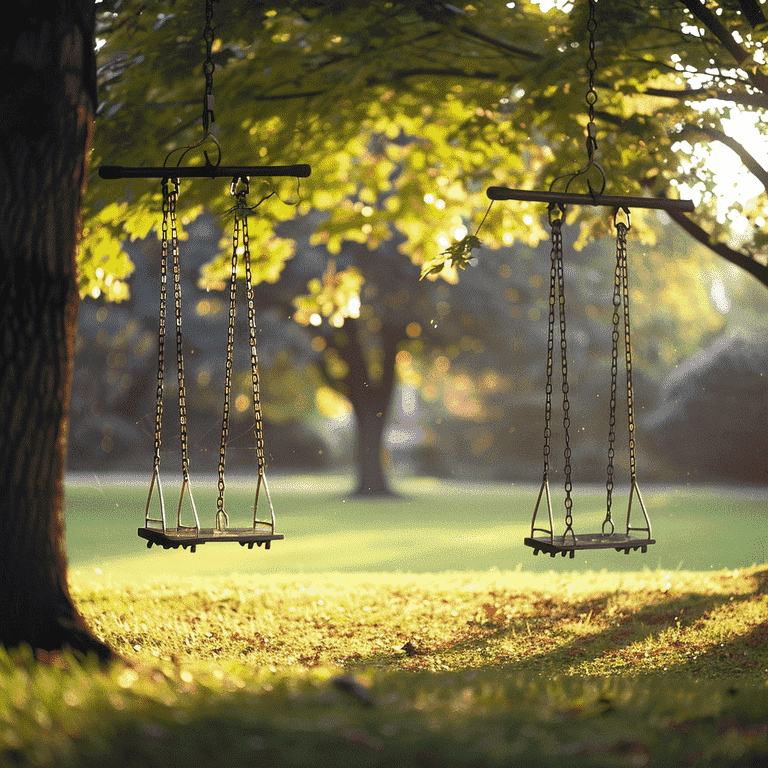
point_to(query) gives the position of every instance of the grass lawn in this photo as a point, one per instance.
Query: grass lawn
(418, 632)
(435, 526)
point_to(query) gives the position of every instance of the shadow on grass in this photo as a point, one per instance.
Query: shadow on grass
(633, 642)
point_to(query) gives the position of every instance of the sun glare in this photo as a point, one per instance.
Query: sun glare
(734, 184)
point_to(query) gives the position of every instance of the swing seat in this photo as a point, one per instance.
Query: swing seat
(173, 538)
(563, 545)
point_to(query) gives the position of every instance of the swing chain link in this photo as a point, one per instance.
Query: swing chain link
(557, 296)
(172, 199)
(617, 301)
(621, 297)
(161, 323)
(208, 68)
(591, 95)
(555, 225)
(240, 235)
(258, 426)
(621, 240)
(566, 403)
(221, 516)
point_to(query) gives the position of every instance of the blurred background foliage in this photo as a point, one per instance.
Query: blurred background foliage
(407, 112)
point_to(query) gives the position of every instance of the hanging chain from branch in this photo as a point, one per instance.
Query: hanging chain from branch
(222, 519)
(622, 230)
(167, 197)
(176, 271)
(591, 96)
(258, 421)
(208, 67)
(557, 256)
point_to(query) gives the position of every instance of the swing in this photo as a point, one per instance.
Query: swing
(158, 530)
(635, 536)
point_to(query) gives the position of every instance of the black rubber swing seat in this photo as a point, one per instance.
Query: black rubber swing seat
(568, 545)
(173, 538)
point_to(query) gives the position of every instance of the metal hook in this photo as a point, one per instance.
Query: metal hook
(571, 177)
(555, 212)
(626, 213)
(185, 150)
(234, 191)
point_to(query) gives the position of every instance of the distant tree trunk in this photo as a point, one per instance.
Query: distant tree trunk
(46, 118)
(370, 398)
(371, 417)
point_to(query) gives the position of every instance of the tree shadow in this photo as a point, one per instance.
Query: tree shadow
(739, 653)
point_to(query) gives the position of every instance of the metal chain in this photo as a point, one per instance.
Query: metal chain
(208, 67)
(614, 372)
(172, 199)
(258, 426)
(221, 516)
(622, 230)
(555, 224)
(557, 296)
(591, 96)
(161, 323)
(621, 296)
(566, 404)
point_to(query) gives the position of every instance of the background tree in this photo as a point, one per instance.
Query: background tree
(48, 101)
(393, 319)
(407, 113)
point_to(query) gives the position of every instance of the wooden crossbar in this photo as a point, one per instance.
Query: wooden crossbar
(570, 198)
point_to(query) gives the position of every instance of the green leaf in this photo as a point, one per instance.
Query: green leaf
(459, 254)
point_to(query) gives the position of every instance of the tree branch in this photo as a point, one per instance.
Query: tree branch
(759, 100)
(698, 233)
(500, 44)
(752, 165)
(747, 263)
(400, 74)
(753, 13)
(715, 26)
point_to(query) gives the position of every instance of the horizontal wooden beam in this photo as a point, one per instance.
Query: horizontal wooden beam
(202, 172)
(610, 201)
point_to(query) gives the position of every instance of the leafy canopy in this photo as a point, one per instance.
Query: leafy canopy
(408, 111)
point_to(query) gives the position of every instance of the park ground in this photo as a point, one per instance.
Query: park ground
(410, 632)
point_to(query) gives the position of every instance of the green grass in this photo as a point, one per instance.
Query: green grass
(690, 625)
(435, 526)
(230, 716)
(407, 633)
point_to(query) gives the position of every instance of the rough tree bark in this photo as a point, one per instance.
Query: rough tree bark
(47, 103)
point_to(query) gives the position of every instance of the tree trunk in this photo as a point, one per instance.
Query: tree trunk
(370, 398)
(371, 418)
(371, 401)
(46, 119)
